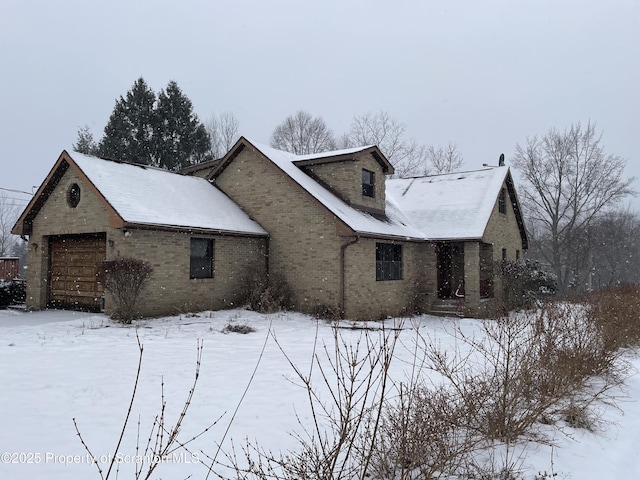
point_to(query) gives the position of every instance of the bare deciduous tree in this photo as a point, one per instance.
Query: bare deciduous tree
(8, 216)
(444, 159)
(303, 134)
(388, 134)
(407, 156)
(223, 130)
(569, 180)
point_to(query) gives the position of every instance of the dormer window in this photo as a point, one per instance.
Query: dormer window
(368, 183)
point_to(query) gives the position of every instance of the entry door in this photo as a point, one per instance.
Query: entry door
(75, 270)
(450, 268)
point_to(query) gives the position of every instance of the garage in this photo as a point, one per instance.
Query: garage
(74, 271)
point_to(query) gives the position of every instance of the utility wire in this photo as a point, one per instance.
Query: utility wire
(15, 191)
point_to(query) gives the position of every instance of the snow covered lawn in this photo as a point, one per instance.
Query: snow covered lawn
(58, 365)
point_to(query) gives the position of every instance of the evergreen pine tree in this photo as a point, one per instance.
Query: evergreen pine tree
(180, 139)
(128, 136)
(85, 142)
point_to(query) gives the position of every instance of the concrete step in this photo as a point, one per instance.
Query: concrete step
(446, 308)
(20, 307)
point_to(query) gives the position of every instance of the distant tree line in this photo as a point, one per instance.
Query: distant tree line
(162, 130)
(304, 134)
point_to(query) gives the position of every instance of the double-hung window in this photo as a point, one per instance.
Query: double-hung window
(201, 258)
(388, 261)
(368, 183)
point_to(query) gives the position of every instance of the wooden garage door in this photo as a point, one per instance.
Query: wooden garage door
(74, 271)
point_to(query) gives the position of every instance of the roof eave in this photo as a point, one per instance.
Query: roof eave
(517, 210)
(387, 167)
(191, 229)
(65, 161)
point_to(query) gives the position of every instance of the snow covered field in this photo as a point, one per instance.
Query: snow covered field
(58, 365)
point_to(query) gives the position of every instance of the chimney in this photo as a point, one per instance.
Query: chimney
(501, 161)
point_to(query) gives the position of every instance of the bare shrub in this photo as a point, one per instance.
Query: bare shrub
(268, 293)
(524, 369)
(578, 416)
(523, 283)
(125, 278)
(497, 462)
(423, 434)
(326, 312)
(470, 416)
(615, 312)
(163, 439)
(345, 406)
(238, 328)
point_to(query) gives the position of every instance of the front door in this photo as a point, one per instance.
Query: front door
(450, 268)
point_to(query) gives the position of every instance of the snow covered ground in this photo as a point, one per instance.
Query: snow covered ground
(58, 365)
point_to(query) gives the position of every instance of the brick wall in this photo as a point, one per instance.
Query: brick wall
(303, 245)
(346, 179)
(169, 290)
(503, 232)
(367, 298)
(56, 217)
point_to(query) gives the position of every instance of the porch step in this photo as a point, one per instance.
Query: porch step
(20, 307)
(445, 308)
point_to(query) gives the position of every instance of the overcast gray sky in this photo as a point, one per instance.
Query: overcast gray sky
(484, 74)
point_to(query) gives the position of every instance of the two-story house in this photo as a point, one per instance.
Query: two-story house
(333, 225)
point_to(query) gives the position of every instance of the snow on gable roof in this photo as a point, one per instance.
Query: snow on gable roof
(332, 153)
(450, 206)
(396, 224)
(151, 196)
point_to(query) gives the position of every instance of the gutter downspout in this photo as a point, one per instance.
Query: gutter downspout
(267, 246)
(343, 294)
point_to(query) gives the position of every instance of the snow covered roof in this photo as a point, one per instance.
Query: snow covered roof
(143, 195)
(450, 206)
(454, 206)
(332, 153)
(345, 154)
(395, 225)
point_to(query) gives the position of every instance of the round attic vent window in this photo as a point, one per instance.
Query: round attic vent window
(73, 195)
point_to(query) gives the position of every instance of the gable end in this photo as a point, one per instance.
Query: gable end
(24, 224)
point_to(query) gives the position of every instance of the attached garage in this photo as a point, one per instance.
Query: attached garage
(74, 271)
